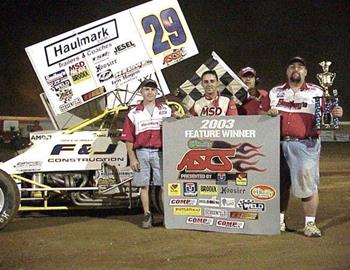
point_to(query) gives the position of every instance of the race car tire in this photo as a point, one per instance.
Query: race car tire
(9, 199)
(156, 199)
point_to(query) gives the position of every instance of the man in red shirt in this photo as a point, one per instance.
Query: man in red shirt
(294, 101)
(258, 100)
(212, 104)
(143, 138)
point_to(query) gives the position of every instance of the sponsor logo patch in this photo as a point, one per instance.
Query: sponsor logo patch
(246, 204)
(200, 220)
(228, 202)
(244, 215)
(241, 179)
(174, 189)
(208, 190)
(231, 190)
(187, 211)
(263, 192)
(180, 201)
(175, 56)
(209, 202)
(217, 213)
(229, 224)
(190, 189)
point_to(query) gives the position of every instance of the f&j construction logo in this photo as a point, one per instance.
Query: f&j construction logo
(80, 42)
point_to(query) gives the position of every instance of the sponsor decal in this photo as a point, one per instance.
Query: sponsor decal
(263, 192)
(241, 179)
(227, 202)
(181, 201)
(105, 75)
(94, 93)
(247, 204)
(175, 56)
(174, 189)
(28, 166)
(40, 137)
(229, 224)
(200, 220)
(69, 104)
(101, 57)
(208, 190)
(202, 159)
(83, 149)
(101, 67)
(244, 215)
(79, 72)
(217, 213)
(81, 42)
(232, 190)
(123, 47)
(190, 189)
(221, 179)
(129, 73)
(209, 202)
(187, 211)
(59, 84)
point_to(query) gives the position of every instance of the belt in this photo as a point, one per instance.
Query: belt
(290, 138)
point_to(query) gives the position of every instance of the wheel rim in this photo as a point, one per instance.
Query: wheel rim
(2, 199)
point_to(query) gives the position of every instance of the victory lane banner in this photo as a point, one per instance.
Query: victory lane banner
(116, 52)
(222, 174)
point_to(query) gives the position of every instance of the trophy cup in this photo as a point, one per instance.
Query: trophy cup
(325, 119)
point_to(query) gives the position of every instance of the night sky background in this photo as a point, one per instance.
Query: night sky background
(261, 34)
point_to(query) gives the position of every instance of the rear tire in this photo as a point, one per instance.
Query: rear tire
(9, 199)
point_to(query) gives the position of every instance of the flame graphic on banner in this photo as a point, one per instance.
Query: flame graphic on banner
(244, 153)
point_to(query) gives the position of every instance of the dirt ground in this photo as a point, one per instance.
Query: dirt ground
(112, 240)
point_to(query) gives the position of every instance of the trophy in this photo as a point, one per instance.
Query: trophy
(325, 119)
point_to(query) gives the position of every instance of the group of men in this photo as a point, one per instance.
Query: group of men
(294, 101)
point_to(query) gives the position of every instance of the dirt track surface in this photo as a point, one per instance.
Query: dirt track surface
(108, 240)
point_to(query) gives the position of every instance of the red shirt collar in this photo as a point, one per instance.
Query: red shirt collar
(303, 87)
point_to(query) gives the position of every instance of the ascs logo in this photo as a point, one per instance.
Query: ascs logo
(202, 159)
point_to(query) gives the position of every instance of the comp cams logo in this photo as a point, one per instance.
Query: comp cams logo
(182, 201)
(230, 224)
(200, 220)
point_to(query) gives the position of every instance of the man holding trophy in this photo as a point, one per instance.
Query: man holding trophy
(297, 102)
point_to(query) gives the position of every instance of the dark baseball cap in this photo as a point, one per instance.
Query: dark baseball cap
(297, 59)
(148, 83)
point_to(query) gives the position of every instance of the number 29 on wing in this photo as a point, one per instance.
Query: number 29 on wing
(165, 32)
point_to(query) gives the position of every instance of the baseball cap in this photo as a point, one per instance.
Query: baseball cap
(148, 83)
(297, 59)
(246, 70)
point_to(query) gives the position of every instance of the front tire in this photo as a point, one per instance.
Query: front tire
(9, 199)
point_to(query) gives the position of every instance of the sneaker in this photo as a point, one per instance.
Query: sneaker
(147, 221)
(282, 227)
(311, 230)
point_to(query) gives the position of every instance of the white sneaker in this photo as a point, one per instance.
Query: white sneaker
(282, 227)
(311, 230)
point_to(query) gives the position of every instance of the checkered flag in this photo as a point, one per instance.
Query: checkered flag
(230, 84)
